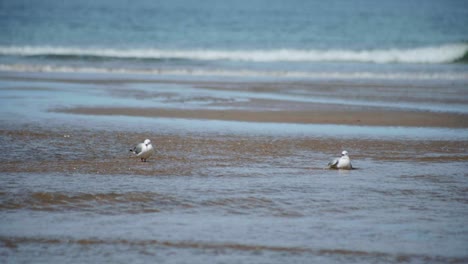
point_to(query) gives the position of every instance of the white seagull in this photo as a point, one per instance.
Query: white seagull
(341, 163)
(143, 150)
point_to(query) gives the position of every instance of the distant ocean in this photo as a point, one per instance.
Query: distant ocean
(426, 39)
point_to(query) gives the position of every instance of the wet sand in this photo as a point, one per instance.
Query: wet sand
(314, 102)
(69, 185)
(319, 115)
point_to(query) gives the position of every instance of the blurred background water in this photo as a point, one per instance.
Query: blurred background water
(262, 38)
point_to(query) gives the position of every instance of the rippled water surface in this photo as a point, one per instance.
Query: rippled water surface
(384, 211)
(230, 199)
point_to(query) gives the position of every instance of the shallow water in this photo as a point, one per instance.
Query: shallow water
(219, 191)
(383, 212)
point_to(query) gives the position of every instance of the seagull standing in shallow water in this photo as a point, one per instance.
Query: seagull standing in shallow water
(143, 150)
(341, 163)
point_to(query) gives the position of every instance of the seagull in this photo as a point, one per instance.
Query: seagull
(341, 163)
(143, 150)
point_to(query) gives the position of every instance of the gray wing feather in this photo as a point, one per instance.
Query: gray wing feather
(138, 148)
(333, 163)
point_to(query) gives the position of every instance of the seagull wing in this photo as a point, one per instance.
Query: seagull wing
(138, 148)
(333, 163)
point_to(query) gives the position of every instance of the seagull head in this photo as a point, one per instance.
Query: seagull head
(344, 153)
(147, 142)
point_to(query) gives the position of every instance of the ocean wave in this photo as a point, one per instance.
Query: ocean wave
(241, 73)
(448, 53)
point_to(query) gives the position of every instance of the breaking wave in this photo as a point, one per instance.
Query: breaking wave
(448, 53)
(240, 73)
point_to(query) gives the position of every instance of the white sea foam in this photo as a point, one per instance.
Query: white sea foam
(435, 54)
(456, 76)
